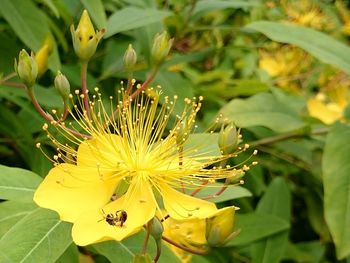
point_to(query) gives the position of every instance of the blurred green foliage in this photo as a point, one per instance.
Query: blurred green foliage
(277, 69)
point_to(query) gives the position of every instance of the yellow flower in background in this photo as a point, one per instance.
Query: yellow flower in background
(215, 230)
(283, 64)
(129, 150)
(42, 55)
(307, 13)
(329, 104)
(344, 15)
(85, 39)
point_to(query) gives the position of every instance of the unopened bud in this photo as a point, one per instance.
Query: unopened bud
(62, 85)
(156, 228)
(130, 59)
(161, 47)
(85, 39)
(142, 258)
(42, 55)
(220, 227)
(228, 139)
(26, 68)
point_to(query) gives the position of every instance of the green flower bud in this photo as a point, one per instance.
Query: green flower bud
(220, 227)
(85, 39)
(130, 59)
(26, 68)
(142, 258)
(161, 47)
(228, 139)
(62, 85)
(156, 228)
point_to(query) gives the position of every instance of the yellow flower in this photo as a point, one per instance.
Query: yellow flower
(131, 151)
(329, 104)
(42, 55)
(85, 39)
(307, 13)
(283, 62)
(199, 234)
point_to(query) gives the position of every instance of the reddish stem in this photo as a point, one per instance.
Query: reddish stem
(83, 75)
(190, 250)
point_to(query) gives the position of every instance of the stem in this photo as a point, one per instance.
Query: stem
(288, 135)
(199, 188)
(190, 250)
(83, 76)
(13, 84)
(145, 244)
(37, 106)
(146, 83)
(159, 251)
(128, 89)
(8, 77)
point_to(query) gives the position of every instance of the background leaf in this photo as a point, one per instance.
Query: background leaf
(322, 46)
(336, 180)
(131, 17)
(266, 251)
(47, 239)
(17, 184)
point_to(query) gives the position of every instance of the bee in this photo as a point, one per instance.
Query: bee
(115, 220)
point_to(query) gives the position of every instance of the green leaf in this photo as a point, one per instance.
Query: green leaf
(232, 192)
(211, 5)
(120, 252)
(320, 45)
(26, 20)
(17, 184)
(305, 252)
(11, 212)
(71, 255)
(96, 11)
(256, 226)
(263, 109)
(47, 239)
(131, 18)
(276, 201)
(336, 180)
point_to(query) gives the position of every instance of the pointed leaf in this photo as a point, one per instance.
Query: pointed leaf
(47, 239)
(131, 18)
(322, 46)
(17, 184)
(336, 180)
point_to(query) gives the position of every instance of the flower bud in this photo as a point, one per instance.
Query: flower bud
(26, 68)
(42, 55)
(228, 139)
(220, 227)
(130, 59)
(142, 258)
(62, 85)
(85, 39)
(156, 228)
(161, 47)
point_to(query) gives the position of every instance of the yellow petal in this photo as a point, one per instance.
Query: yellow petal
(139, 204)
(71, 190)
(181, 206)
(320, 111)
(103, 152)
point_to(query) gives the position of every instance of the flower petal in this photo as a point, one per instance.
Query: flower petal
(139, 204)
(181, 206)
(103, 151)
(71, 190)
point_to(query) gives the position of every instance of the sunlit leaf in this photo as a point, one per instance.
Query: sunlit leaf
(322, 46)
(336, 180)
(17, 184)
(131, 18)
(47, 239)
